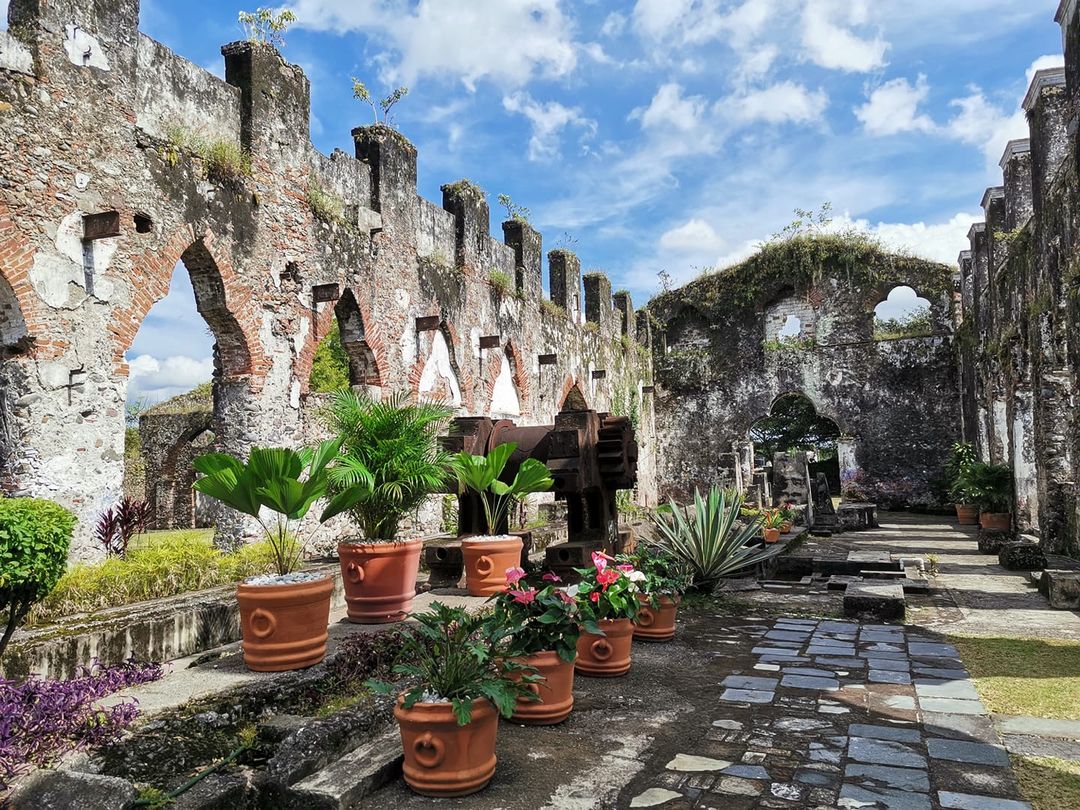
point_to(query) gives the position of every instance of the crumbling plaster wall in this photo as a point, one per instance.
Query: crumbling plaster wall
(1020, 343)
(719, 366)
(88, 134)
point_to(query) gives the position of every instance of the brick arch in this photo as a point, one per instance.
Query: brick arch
(360, 337)
(571, 398)
(220, 298)
(517, 372)
(822, 409)
(21, 318)
(464, 378)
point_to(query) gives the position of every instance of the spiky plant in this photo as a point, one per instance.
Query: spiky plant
(709, 536)
(389, 462)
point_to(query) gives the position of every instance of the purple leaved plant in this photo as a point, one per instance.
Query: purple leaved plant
(40, 720)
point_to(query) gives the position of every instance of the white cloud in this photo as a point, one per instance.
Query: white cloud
(548, 120)
(938, 241)
(505, 41)
(781, 102)
(157, 380)
(1044, 63)
(614, 24)
(894, 107)
(670, 109)
(981, 123)
(693, 236)
(830, 42)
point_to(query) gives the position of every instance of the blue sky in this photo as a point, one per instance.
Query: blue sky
(667, 134)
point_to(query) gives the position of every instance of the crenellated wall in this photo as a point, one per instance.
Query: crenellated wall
(1020, 337)
(96, 118)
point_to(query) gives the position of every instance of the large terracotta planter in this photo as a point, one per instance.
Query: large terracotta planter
(486, 562)
(996, 521)
(786, 527)
(556, 691)
(606, 656)
(284, 626)
(967, 514)
(772, 535)
(445, 759)
(380, 579)
(656, 623)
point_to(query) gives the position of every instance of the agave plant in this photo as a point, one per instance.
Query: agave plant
(709, 536)
(279, 479)
(481, 474)
(389, 460)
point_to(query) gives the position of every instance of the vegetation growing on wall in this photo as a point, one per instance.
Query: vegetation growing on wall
(911, 324)
(330, 367)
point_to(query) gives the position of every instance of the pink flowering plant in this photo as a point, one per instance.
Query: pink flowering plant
(537, 615)
(608, 590)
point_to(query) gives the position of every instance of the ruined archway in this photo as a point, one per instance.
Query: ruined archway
(363, 365)
(902, 313)
(795, 442)
(574, 400)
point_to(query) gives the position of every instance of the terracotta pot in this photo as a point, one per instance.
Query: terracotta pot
(966, 514)
(656, 623)
(443, 758)
(486, 562)
(996, 521)
(606, 656)
(772, 535)
(785, 528)
(284, 626)
(380, 579)
(556, 691)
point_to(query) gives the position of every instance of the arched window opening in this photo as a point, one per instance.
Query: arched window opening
(903, 314)
(574, 400)
(794, 426)
(13, 331)
(504, 394)
(792, 328)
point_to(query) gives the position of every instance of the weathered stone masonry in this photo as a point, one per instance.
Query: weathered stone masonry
(90, 111)
(1019, 341)
(720, 365)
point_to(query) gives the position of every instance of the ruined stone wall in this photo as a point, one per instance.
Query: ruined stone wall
(1020, 343)
(96, 118)
(721, 363)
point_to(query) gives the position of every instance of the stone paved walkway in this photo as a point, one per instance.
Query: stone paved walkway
(837, 714)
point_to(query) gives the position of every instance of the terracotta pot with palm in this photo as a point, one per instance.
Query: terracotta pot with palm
(449, 718)
(541, 624)
(284, 616)
(488, 555)
(389, 462)
(957, 471)
(991, 487)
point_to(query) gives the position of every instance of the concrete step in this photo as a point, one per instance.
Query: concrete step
(344, 783)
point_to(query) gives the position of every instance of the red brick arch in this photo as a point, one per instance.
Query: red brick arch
(517, 371)
(572, 395)
(16, 259)
(220, 297)
(464, 378)
(360, 337)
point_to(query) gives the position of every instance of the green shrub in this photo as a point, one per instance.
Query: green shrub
(499, 281)
(551, 308)
(166, 564)
(330, 366)
(225, 160)
(35, 536)
(326, 206)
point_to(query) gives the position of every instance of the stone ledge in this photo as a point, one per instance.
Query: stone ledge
(883, 601)
(1061, 589)
(158, 630)
(1020, 556)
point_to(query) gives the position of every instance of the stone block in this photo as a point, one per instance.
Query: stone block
(445, 563)
(884, 601)
(1019, 556)
(991, 541)
(563, 558)
(1062, 589)
(69, 790)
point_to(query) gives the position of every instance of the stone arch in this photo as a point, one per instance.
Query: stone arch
(232, 319)
(901, 312)
(794, 422)
(572, 399)
(438, 376)
(356, 341)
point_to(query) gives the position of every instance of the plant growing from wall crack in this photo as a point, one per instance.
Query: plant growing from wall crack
(265, 27)
(518, 213)
(381, 107)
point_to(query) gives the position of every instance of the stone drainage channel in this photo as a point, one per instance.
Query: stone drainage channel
(734, 713)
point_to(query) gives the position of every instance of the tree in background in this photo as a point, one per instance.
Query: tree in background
(330, 368)
(793, 424)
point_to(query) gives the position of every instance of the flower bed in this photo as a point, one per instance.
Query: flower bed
(40, 720)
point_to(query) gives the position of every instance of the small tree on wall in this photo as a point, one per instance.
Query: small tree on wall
(266, 27)
(381, 107)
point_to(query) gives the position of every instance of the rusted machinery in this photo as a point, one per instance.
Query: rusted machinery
(590, 456)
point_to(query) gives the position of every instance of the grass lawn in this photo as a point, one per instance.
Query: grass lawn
(1049, 784)
(1026, 676)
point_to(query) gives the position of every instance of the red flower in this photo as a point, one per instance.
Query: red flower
(514, 575)
(594, 596)
(523, 597)
(567, 598)
(599, 559)
(608, 577)
(551, 577)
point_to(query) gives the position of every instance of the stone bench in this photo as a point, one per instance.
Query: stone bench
(1061, 588)
(1021, 556)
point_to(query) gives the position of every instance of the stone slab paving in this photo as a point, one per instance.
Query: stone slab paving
(837, 714)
